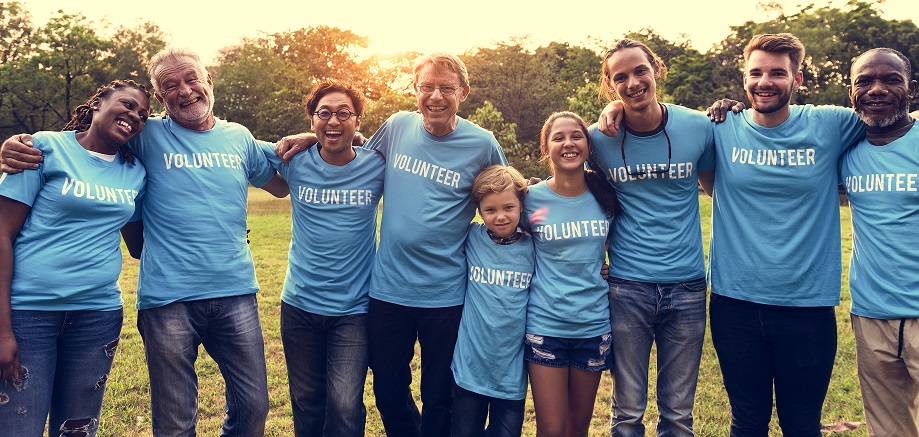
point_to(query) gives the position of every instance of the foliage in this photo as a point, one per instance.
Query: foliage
(389, 103)
(48, 71)
(523, 157)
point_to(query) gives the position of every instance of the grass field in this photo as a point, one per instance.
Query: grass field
(126, 411)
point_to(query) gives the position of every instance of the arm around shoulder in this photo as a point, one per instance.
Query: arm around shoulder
(17, 154)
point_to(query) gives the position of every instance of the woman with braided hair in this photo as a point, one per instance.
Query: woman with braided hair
(60, 304)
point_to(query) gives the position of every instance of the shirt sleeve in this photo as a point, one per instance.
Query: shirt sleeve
(259, 168)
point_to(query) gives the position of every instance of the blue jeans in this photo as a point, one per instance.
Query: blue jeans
(230, 331)
(673, 316)
(326, 366)
(68, 355)
(761, 345)
(505, 416)
(393, 331)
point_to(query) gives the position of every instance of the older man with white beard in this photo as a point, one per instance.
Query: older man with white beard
(881, 175)
(197, 279)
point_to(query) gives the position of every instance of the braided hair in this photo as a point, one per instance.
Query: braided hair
(83, 114)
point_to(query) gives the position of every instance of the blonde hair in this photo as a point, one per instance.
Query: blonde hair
(497, 179)
(443, 62)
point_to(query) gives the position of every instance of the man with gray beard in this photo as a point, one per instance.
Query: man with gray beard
(881, 176)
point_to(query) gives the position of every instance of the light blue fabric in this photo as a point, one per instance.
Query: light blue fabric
(427, 209)
(568, 295)
(488, 358)
(882, 183)
(657, 237)
(67, 254)
(775, 214)
(333, 231)
(195, 211)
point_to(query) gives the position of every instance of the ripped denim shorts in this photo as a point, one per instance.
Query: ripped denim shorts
(592, 354)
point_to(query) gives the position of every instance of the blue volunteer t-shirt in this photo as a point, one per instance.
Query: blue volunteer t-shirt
(882, 183)
(333, 231)
(657, 236)
(67, 254)
(488, 358)
(195, 211)
(775, 211)
(568, 295)
(426, 210)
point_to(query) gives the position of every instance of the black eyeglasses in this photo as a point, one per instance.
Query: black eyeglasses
(645, 173)
(341, 114)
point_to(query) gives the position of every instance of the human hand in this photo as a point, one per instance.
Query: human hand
(719, 110)
(610, 118)
(17, 154)
(291, 145)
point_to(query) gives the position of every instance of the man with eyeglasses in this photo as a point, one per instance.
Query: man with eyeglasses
(196, 284)
(418, 282)
(657, 271)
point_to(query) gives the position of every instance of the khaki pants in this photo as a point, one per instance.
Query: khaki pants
(888, 372)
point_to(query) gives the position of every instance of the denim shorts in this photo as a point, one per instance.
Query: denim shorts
(592, 354)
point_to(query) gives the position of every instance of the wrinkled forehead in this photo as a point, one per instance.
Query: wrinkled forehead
(437, 74)
(878, 64)
(179, 66)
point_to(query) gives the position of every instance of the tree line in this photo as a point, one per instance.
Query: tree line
(260, 82)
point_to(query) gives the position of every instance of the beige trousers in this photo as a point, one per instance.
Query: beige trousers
(888, 373)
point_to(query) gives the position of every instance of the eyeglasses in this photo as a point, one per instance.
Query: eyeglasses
(341, 114)
(445, 90)
(645, 173)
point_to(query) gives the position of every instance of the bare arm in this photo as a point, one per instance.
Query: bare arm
(291, 145)
(133, 235)
(17, 154)
(277, 186)
(12, 215)
(707, 181)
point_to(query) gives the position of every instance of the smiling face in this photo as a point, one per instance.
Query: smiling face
(770, 80)
(119, 117)
(185, 89)
(633, 78)
(335, 135)
(881, 90)
(438, 109)
(501, 212)
(566, 145)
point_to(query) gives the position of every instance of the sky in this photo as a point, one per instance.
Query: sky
(394, 26)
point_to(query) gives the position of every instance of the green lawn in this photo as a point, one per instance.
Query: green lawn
(126, 411)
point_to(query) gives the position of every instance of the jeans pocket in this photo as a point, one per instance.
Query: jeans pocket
(694, 286)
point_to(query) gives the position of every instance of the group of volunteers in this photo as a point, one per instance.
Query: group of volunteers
(494, 305)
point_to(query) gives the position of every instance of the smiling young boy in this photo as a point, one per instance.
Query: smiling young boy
(488, 368)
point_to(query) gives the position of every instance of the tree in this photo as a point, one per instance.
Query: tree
(131, 50)
(524, 157)
(256, 88)
(15, 41)
(377, 111)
